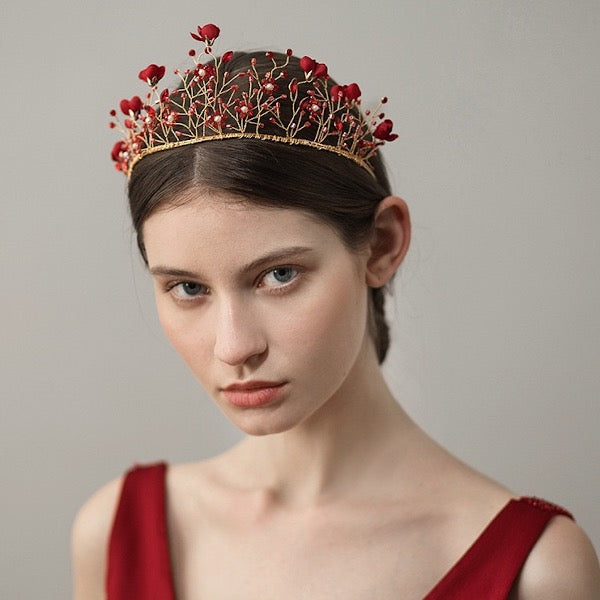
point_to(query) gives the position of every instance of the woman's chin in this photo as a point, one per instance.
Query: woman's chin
(262, 422)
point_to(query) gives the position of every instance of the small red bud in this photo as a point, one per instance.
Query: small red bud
(192, 52)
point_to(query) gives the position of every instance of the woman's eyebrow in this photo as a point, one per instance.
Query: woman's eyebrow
(277, 255)
(172, 272)
(280, 254)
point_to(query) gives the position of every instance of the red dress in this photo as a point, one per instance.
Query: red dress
(139, 565)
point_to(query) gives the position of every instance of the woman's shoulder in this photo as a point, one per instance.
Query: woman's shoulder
(562, 565)
(89, 539)
(94, 521)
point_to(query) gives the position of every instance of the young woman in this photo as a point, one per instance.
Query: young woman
(265, 217)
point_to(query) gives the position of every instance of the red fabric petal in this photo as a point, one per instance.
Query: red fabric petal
(352, 91)
(383, 131)
(210, 31)
(117, 149)
(307, 64)
(152, 74)
(337, 91)
(135, 104)
(320, 70)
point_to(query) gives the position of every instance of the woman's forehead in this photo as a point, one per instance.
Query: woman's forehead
(221, 213)
(232, 232)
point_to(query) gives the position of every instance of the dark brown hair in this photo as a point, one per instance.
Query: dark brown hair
(333, 188)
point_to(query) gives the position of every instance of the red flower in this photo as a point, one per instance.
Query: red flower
(150, 118)
(352, 91)
(152, 74)
(347, 92)
(320, 70)
(118, 150)
(244, 109)
(383, 131)
(269, 86)
(216, 120)
(169, 117)
(131, 106)
(204, 71)
(293, 85)
(206, 33)
(164, 95)
(307, 64)
(337, 91)
(312, 107)
(227, 56)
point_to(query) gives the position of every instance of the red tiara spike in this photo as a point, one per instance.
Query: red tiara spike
(208, 105)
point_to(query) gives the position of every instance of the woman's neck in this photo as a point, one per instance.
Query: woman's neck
(342, 448)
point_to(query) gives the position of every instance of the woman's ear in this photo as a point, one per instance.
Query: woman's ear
(390, 241)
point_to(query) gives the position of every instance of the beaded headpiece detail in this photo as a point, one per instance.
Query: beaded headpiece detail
(211, 103)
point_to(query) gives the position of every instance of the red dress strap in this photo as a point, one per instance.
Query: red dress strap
(491, 565)
(138, 555)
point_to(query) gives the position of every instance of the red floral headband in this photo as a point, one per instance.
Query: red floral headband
(208, 105)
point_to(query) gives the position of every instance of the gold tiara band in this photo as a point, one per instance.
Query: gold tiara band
(255, 136)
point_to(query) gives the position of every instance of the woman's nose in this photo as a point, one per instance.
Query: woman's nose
(238, 335)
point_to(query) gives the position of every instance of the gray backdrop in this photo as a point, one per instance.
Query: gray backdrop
(497, 333)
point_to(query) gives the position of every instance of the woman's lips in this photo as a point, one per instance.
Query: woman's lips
(253, 393)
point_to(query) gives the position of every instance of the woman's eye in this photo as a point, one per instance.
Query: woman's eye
(187, 290)
(280, 276)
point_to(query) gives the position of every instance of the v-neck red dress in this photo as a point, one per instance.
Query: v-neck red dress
(139, 566)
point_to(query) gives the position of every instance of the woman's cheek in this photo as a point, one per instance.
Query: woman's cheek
(333, 322)
(183, 332)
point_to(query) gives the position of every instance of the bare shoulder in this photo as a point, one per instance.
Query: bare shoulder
(562, 565)
(89, 541)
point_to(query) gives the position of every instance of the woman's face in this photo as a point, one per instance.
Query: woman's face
(266, 306)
